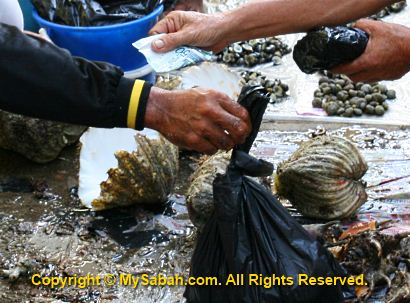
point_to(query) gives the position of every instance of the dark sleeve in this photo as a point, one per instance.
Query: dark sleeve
(41, 80)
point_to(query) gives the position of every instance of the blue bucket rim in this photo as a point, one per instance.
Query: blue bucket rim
(39, 19)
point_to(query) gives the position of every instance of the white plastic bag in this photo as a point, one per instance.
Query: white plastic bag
(173, 60)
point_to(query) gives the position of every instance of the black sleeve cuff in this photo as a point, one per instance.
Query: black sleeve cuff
(132, 103)
(142, 106)
(124, 92)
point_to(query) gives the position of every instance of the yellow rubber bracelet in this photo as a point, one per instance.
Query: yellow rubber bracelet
(134, 102)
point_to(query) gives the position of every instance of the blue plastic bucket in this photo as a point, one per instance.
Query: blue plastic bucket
(145, 73)
(111, 43)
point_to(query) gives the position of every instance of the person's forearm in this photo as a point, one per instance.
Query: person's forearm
(40, 80)
(274, 17)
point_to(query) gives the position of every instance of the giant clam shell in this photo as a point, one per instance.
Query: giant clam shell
(120, 167)
(214, 76)
(322, 178)
(199, 195)
(38, 140)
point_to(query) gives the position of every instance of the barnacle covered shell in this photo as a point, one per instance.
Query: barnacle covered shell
(322, 178)
(168, 82)
(38, 140)
(200, 192)
(141, 167)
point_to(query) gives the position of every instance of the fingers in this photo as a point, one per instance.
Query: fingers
(209, 140)
(235, 120)
(199, 144)
(365, 76)
(169, 42)
(162, 27)
(233, 125)
(366, 25)
(362, 63)
(172, 26)
(348, 68)
(215, 135)
(191, 141)
(234, 108)
(221, 121)
(200, 120)
(356, 72)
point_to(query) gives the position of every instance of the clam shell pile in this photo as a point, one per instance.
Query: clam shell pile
(254, 52)
(276, 88)
(391, 9)
(339, 96)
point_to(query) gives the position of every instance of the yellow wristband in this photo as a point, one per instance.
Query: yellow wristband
(134, 102)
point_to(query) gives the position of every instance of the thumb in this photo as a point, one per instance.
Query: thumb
(169, 42)
(365, 25)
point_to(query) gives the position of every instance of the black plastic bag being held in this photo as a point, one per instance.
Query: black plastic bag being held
(328, 47)
(251, 237)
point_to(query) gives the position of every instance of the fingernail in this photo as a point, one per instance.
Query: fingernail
(159, 43)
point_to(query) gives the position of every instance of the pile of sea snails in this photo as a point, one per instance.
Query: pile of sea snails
(339, 96)
(391, 9)
(276, 88)
(254, 52)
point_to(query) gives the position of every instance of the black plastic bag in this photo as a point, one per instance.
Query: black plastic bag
(169, 4)
(250, 232)
(93, 13)
(134, 7)
(328, 47)
(67, 12)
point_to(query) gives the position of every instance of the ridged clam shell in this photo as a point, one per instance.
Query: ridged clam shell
(145, 174)
(322, 178)
(200, 193)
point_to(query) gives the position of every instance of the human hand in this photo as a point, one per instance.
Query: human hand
(197, 119)
(190, 28)
(387, 55)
